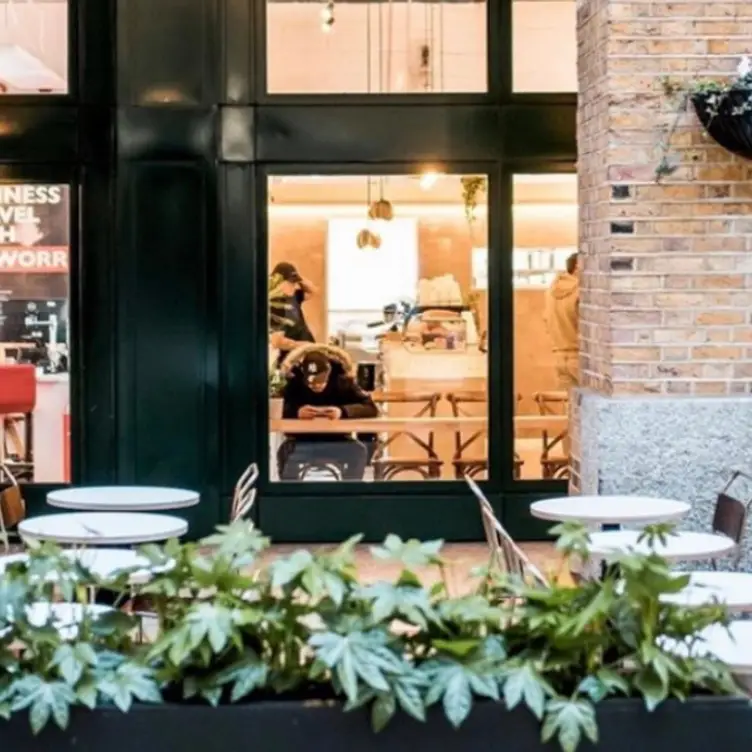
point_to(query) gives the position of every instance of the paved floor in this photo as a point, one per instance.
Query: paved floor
(461, 559)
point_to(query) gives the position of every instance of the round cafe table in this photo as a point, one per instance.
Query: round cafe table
(103, 563)
(683, 546)
(103, 528)
(609, 510)
(732, 589)
(122, 499)
(64, 617)
(732, 645)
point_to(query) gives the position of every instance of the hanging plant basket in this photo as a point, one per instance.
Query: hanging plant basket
(727, 118)
(381, 209)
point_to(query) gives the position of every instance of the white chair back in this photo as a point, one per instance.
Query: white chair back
(245, 493)
(505, 553)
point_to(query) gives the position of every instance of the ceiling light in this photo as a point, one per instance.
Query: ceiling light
(429, 179)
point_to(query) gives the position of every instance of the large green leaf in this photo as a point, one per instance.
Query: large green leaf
(411, 553)
(569, 720)
(44, 699)
(127, 682)
(71, 660)
(524, 683)
(245, 676)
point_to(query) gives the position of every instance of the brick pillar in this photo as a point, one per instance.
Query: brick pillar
(666, 301)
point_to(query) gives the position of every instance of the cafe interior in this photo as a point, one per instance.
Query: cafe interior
(396, 269)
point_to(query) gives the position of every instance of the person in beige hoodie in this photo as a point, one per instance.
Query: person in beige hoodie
(562, 321)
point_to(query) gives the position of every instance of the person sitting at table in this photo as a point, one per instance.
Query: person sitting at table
(321, 385)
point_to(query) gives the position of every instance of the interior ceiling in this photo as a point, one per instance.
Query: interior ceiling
(447, 189)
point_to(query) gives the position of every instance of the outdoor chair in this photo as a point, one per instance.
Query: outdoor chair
(730, 515)
(245, 493)
(12, 506)
(505, 554)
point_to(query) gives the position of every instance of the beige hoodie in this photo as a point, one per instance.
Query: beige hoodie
(562, 314)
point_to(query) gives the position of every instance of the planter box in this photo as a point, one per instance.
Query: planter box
(701, 725)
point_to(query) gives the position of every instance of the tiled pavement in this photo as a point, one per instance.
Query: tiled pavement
(461, 559)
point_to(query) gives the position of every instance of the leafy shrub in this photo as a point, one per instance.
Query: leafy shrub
(233, 629)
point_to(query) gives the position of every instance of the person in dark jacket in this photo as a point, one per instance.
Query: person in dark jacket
(321, 385)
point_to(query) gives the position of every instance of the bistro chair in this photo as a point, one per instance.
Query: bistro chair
(425, 462)
(730, 515)
(476, 444)
(245, 493)
(554, 458)
(12, 506)
(505, 554)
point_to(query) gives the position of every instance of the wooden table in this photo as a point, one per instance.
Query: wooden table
(414, 425)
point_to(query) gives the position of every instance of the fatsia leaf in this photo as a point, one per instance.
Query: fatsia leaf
(411, 553)
(603, 684)
(652, 688)
(127, 682)
(382, 711)
(454, 684)
(569, 720)
(71, 660)
(285, 569)
(44, 700)
(245, 675)
(523, 683)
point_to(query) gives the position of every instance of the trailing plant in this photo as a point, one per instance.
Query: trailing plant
(728, 97)
(234, 626)
(472, 188)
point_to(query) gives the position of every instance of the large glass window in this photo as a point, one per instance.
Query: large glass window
(34, 332)
(546, 321)
(544, 46)
(376, 47)
(33, 46)
(378, 316)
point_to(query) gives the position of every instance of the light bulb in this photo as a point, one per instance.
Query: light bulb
(429, 179)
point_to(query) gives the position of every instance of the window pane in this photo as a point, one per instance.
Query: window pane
(362, 47)
(382, 318)
(34, 47)
(34, 331)
(544, 46)
(546, 300)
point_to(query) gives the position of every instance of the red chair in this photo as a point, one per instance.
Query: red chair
(18, 398)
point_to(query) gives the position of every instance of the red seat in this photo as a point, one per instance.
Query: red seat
(18, 389)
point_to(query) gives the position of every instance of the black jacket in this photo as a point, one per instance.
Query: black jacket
(341, 391)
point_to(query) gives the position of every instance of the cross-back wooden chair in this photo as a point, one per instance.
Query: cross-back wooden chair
(12, 505)
(425, 461)
(555, 448)
(245, 493)
(470, 452)
(505, 554)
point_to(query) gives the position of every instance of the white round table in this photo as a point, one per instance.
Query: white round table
(732, 589)
(103, 528)
(65, 617)
(609, 510)
(122, 499)
(683, 546)
(732, 645)
(104, 563)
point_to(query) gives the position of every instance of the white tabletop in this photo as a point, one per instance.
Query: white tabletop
(103, 528)
(103, 563)
(65, 617)
(732, 645)
(682, 546)
(609, 510)
(733, 589)
(122, 498)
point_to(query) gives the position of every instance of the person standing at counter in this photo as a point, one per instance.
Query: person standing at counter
(289, 330)
(562, 321)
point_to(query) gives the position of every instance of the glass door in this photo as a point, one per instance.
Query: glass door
(378, 352)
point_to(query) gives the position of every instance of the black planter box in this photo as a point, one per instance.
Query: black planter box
(731, 131)
(700, 725)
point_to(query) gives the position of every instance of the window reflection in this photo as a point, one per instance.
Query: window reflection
(377, 314)
(544, 30)
(360, 47)
(34, 333)
(546, 319)
(34, 47)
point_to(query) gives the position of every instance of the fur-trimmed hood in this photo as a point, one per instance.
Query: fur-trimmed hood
(335, 354)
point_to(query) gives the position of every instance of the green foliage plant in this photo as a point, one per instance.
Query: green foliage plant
(233, 624)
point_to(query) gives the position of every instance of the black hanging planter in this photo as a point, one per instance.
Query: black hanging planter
(728, 120)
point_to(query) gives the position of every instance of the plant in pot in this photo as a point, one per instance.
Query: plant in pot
(279, 647)
(723, 107)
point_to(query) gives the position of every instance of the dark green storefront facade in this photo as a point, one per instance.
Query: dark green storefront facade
(167, 140)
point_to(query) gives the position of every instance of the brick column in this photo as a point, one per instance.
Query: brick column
(666, 302)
